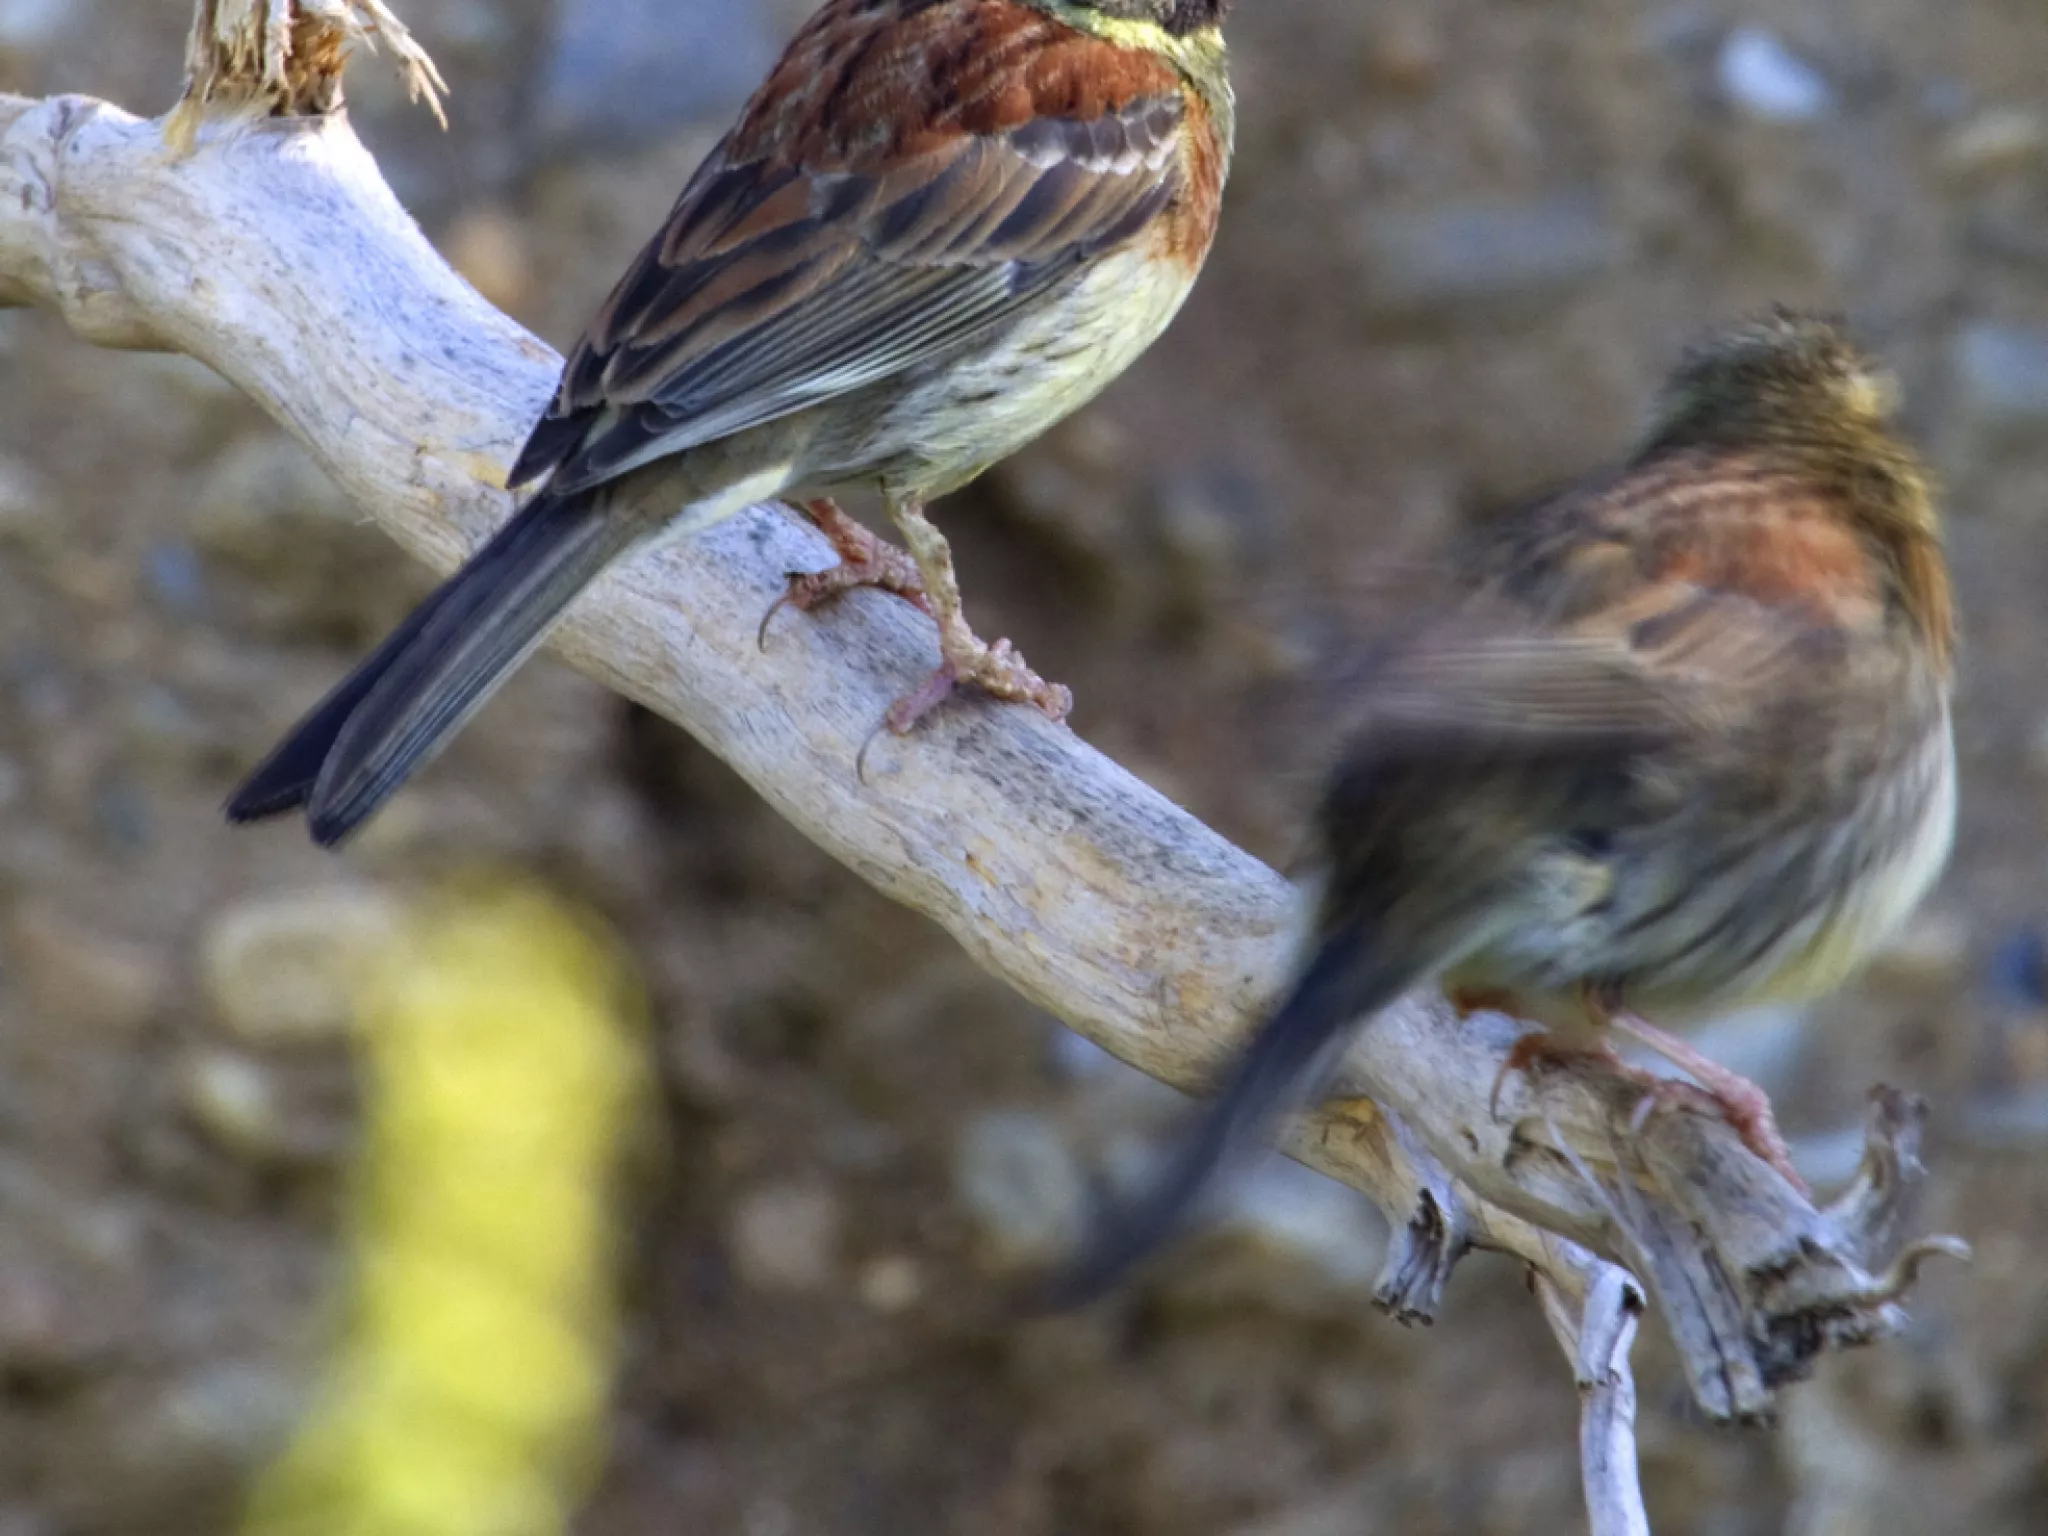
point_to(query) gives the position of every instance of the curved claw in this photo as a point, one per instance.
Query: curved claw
(782, 602)
(902, 716)
(779, 605)
(860, 758)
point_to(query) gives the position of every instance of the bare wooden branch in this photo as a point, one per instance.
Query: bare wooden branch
(272, 250)
(1597, 1333)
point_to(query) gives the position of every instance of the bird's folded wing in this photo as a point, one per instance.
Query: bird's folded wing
(1670, 660)
(774, 287)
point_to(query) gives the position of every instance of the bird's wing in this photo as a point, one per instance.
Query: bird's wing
(1697, 591)
(1458, 688)
(879, 204)
(1716, 612)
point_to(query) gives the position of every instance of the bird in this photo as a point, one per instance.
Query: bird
(937, 228)
(1675, 740)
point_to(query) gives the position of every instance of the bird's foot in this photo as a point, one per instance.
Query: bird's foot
(865, 560)
(996, 670)
(1746, 1107)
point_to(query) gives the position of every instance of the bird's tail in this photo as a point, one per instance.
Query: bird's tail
(400, 706)
(1347, 977)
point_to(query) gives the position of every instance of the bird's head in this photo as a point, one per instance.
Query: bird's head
(1784, 376)
(1792, 387)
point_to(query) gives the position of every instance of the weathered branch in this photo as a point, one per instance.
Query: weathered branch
(1596, 1335)
(271, 249)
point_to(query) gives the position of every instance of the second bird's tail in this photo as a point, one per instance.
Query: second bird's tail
(1348, 977)
(400, 706)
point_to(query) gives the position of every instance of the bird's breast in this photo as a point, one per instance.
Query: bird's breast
(1705, 912)
(1910, 821)
(975, 408)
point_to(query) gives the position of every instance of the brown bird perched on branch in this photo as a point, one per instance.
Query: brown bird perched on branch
(1680, 745)
(938, 228)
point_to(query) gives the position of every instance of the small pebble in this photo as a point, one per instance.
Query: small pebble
(1998, 142)
(172, 573)
(283, 969)
(1770, 82)
(786, 1237)
(233, 1101)
(891, 1284)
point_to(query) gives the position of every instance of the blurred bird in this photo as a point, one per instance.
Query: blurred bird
(938, 228)
(1681, 744)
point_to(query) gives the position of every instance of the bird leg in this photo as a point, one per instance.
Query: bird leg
(865, 560)
(1746, 1106)
(995, 669)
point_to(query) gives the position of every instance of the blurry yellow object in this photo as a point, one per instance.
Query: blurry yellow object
(502, 1067)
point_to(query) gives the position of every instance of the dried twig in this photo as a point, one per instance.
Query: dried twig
(284, 58)
(1596, 1334)
(1054, 868)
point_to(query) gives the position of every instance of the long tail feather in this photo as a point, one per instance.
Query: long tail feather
(283, 781)
(400, 706)
(1281, 1069)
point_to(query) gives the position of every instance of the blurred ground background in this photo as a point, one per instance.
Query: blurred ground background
(1462, 242)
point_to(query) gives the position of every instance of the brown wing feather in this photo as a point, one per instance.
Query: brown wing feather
(1667, 600)
(910, 177)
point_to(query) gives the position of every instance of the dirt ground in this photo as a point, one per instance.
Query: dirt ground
(1462, 242)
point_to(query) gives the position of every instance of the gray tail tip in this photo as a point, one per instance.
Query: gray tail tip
(256, 801)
